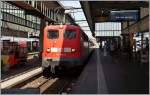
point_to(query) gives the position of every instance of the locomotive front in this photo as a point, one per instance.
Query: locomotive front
(61, 47)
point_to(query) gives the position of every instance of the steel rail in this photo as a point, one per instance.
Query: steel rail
(21, 78)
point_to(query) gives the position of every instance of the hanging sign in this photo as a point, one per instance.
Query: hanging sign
(124, 15)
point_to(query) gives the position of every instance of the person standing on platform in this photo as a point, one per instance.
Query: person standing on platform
(105, 49)
(112, 48)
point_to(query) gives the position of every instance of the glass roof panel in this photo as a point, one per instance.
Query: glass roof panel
(78, 15)
(75, 4)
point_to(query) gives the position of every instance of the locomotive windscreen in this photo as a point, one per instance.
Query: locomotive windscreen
(69, 34)
(53, 34)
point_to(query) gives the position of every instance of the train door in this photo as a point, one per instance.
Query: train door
(29, 48)
(8, 58)
(5, 54)
(35, 46)
(22, 52)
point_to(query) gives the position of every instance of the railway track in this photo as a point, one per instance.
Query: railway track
(9, 83)
(33, 80)
(8, 78)
(49, 85)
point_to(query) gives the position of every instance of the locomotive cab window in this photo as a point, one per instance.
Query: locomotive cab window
(69, 34)
(53, 34)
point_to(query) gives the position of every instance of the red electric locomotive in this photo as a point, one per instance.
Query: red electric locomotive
(64, 46)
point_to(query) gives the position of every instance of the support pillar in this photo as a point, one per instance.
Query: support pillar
(142, 40)
(0, 23)
(42, 26)
(131, 40)
(0, 16)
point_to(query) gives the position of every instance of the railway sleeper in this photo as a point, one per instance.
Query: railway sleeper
(61, 71)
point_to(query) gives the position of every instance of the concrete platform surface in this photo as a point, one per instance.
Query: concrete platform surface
(108, 75)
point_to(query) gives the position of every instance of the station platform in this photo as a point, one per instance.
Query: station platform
(109, 75)
(33, 62)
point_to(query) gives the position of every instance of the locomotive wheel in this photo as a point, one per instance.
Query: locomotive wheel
(59, 71)
(46, 72)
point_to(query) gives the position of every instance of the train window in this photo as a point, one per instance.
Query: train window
(53, 34)
(69, 34)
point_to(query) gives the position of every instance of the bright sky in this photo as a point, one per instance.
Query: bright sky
(78, 15)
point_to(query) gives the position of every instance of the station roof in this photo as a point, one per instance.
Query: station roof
(33, 11)
(73, 8)
(99, 11)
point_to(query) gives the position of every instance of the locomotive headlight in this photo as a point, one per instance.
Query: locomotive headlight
(73, 50)
(48, 50)
(61, 26)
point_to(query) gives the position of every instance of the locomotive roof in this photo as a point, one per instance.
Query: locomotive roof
(71, 26)
(66, 25)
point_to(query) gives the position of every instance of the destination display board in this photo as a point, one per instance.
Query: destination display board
(124, 15)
